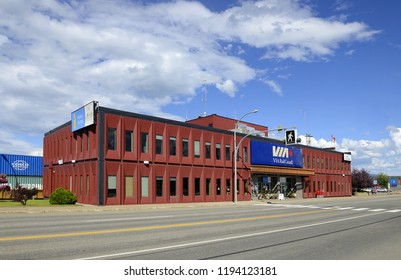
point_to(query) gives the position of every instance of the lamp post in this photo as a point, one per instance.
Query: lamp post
(236, 152)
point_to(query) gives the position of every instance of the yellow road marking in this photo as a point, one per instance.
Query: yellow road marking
(107, 231)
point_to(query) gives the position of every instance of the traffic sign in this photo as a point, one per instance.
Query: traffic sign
(290, 136)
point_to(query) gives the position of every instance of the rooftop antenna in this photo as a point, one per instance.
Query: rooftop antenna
(204, 97)
(308, 137)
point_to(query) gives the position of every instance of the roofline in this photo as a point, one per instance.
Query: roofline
(190, 125)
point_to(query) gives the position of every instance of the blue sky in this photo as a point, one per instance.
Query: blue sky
(328, 67)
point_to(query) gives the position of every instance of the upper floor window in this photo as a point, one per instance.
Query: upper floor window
(129, 141)
(173, 145)
(197, 148)
(228, 152)
(144, 142)
(218, 151)
(112, 138)
(159, 144)
(207, 150)
(184, 147)
(245, 154)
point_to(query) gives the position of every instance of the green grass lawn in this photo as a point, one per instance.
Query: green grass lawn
(36, 202)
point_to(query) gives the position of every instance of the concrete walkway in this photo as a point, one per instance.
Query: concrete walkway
(138, 207)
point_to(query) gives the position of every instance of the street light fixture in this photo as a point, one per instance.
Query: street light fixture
(236, 152)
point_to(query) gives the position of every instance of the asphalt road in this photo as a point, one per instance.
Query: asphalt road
(315, 229)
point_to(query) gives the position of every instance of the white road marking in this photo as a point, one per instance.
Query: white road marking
(394, 211)
(377, 210)
(288, 206)
(210, 241)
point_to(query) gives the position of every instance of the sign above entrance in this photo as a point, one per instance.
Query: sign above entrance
(265, 153)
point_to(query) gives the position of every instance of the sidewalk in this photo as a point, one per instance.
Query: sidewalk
(139, 207)
(134, 207)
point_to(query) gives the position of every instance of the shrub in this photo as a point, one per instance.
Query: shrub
(21, 194)
(62, 196)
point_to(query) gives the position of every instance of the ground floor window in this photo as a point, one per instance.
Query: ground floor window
(228, 186)
(87, 185)
(111, 186)
(129, 186)
(208, 186)
(218, 186)
(185, 186)
(246, 187)
(145, 186)
(173, 186)
(159, 186)
(197, 186)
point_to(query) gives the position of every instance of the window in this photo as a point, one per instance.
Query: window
(218, 151)
(81, 184)
(88, 144)
(185, 186)
(228, 152)
(144, 142)
(87, 185)
(184, 147)
(208, 186)
(197, 148)
(207, 150)
(111, 138)
(111, 186)
(145, 186)
(129, 141)
(159, 186)
(218, 186)
(228, 186)
(246, 189)
(172, 146)
(82, 142)
(129, 186)
(173, 186)
(197, 187)
(159, 144)
(245, 154)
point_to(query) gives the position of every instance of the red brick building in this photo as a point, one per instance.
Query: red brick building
(126, 158)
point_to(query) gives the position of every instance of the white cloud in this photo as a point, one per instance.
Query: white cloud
(58, 55)
(375, 156)
(275, 87)
(228, 87)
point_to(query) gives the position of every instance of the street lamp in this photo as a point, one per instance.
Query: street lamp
(236, 152)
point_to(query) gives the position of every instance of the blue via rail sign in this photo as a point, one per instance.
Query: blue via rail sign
(83, 117)
(265, 153)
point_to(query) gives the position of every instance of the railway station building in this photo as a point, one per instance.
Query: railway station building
(112, 157)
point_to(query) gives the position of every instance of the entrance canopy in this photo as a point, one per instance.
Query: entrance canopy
(263, 169)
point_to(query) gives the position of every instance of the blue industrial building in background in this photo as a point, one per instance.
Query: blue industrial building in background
(23, 170)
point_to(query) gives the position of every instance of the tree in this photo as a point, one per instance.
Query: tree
(22, 195)
(383, 180)
(361, 179)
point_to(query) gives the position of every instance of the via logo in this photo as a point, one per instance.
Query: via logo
(281, 152)
(20, 165)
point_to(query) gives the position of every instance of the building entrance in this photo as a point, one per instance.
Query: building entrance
(270, 186)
